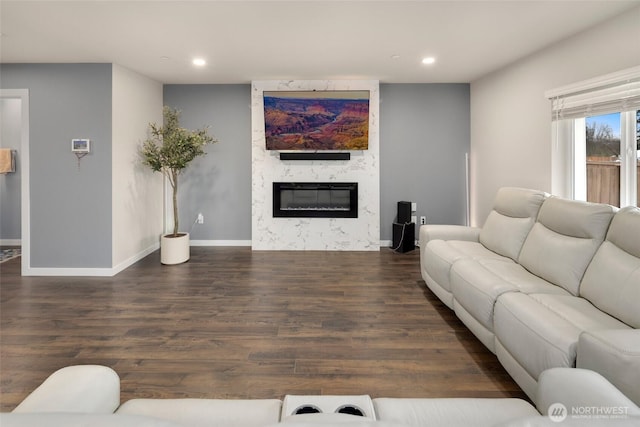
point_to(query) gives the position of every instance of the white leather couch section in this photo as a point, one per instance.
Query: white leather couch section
(207, 412)
(552, 260)
(81, 389)
(612, 281)
(569, 387)
(612, 284)
(514, 212)
(476, 286)
(616, 355)
(574, 287)
(454, 412)
(580, 388)
(541, 331)
(61, 419)
(564, 239)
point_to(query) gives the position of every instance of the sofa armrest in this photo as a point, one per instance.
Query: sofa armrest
(615, 354)
(447, 232)
(89, 389)
(577, 389)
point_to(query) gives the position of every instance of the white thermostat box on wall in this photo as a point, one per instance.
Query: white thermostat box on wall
(81, 145)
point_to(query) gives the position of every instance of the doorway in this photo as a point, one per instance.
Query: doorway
(15, 108)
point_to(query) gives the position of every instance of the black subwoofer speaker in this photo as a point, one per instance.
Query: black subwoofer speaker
(404, 237)
(404, 212)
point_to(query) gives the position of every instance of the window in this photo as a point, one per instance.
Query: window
(602, 149)
(596, 139)
(610, 174)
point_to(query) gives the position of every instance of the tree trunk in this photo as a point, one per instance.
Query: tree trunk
(175, 203)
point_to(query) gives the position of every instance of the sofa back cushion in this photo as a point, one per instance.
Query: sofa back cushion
(514, 212)
(612, 280)
(564, 239)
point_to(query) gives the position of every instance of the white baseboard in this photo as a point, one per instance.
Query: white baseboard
(137, 257)
(108, 272)
(10, 242)
(383, 243)
(69, 272)
(220, 243)
(90, 272)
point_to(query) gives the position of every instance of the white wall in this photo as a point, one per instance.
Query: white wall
(268, 233)
(511, 119)
(137, 192)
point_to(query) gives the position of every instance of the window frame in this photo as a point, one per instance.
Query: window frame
(612, 93)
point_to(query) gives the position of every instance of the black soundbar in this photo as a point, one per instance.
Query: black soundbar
(315, 156)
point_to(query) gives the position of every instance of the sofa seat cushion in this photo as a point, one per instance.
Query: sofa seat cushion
(477, 284)
(452, 412)
(440, 255)
(207, 412)
(541, 331)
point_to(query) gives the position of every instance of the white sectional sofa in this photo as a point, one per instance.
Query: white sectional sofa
(89, 395)
(546, 282)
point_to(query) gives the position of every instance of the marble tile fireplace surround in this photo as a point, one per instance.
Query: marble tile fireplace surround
(315, 230)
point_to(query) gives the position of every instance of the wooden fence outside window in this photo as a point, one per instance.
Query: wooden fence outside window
(603, 180)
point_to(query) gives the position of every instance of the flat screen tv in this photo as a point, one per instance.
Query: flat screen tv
(316, 120)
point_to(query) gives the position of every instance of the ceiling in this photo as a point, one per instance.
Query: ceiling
(273, 40)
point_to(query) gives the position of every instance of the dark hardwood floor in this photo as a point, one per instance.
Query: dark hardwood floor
(232, 323)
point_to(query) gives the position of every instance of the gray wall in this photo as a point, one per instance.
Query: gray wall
(217, 185)
(70, 206)
(10, 183)
(424, 135)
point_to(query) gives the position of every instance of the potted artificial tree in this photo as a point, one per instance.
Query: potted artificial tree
(169, 150)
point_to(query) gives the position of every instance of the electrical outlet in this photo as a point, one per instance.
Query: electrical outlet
(413, 219)
(423, 220)
(200, 218)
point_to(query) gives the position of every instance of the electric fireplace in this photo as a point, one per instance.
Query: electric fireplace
(315, 199)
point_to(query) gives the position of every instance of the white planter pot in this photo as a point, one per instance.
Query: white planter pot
(174, 250)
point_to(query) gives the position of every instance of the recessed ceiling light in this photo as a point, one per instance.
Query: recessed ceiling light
(395, 56)
(199, 62)
(428, 60)
(164, 58)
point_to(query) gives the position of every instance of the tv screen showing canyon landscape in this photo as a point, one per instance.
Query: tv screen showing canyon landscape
(316, 120)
